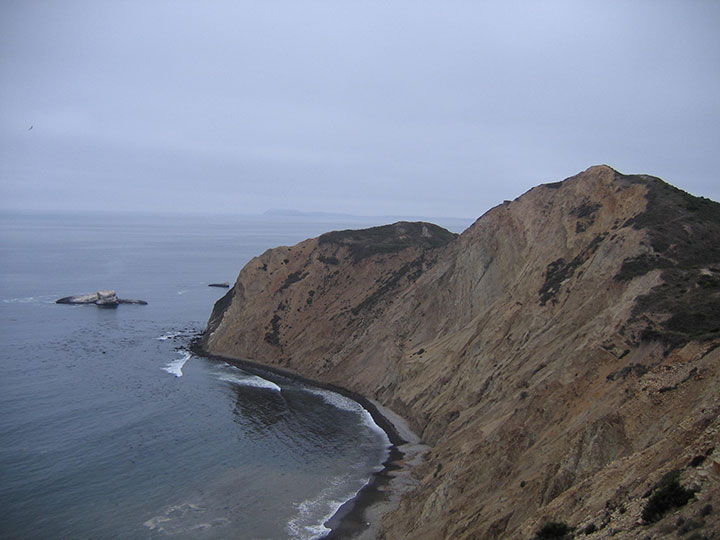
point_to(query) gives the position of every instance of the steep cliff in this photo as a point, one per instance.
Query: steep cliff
(559, 356)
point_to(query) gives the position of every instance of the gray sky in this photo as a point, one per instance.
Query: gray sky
(366, 107)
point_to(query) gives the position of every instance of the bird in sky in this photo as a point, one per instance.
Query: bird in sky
(29, 128)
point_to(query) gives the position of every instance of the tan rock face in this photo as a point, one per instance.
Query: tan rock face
(559, 355)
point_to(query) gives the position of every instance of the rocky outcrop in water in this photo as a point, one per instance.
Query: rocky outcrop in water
(560, 356)
(99, 298)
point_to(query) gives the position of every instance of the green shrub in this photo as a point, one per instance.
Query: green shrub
(388, 239)
(292, 278)
(553, 530)
(273, 337)
(668, 494)
(329, 260)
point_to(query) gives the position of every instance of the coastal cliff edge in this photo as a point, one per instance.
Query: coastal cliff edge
(560, 356)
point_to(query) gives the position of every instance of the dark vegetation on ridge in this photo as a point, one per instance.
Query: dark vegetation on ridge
(388, 238)
(684, 236)
(553, 530)
(667, 494)
(560, 270)
(292, 278)
(273, 336)
(410, 271)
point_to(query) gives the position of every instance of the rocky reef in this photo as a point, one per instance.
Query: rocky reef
(560, 356)
(107, 299)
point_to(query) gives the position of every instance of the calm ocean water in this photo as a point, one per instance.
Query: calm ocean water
(109, 428)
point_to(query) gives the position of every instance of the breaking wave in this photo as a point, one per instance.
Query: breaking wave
(175, 367)
(347, 404)
(248, 380)
(312, 514)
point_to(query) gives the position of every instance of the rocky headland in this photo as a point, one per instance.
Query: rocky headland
(560, 357)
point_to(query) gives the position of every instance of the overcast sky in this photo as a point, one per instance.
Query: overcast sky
(440, 108)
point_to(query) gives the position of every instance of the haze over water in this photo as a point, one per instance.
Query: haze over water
(109, 428)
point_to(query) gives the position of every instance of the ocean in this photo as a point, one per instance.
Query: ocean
(111, 428)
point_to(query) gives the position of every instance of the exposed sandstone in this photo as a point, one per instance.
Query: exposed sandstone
(559, 356)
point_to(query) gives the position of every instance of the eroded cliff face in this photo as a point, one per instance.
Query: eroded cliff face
(559, 356)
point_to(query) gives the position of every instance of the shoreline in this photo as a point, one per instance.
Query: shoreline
(382, 494)
(359, 517)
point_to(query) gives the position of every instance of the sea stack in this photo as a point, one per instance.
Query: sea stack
(106, 298)
(561, 356)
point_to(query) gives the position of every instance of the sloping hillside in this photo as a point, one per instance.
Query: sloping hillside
(560, 355)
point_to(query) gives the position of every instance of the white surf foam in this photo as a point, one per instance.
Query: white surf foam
(42, 299)
(309, 523)
(347, 404)
(337, 400)
(175, 367)
(184, 518)
(249, 380)
(169, 335)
